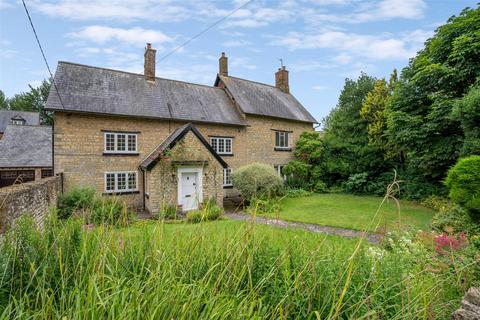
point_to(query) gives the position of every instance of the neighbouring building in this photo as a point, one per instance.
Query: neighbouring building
(154, 141)
(17, 118)
(25, 154)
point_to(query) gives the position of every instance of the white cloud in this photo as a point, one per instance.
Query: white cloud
(236, 43)
(368, 11)
(163, 10)
(134, 36)
(241, 62)
(320, 88)
(6, 52)
(353, 44)
(309, 65)
(5, 4)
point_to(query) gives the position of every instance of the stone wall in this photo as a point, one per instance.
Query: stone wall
(33, 198)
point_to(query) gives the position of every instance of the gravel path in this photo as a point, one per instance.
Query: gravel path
(347, 233)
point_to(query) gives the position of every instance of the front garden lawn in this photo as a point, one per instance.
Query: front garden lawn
(354, 212)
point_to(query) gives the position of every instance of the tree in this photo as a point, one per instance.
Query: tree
(463, 182)
(419, 113)
(373, 110)
(3, 101)
(345, 144)
(466, 110)
(34, 100)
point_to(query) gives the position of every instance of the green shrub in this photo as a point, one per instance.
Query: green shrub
(264, 206)
(320, 187)
(357, 183)
(210, 211)
(455, 219)
(194, 216)
(110, 211)
(296, 193)
(436, 203)
(78, 199)
(167, 211)
(463, 182)
(213, 213)
(257, 180)
(294, 182)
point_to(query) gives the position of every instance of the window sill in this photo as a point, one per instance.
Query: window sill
(120, 193)
(282, 149)
(226, 154)
(121, 154)
(228, 187)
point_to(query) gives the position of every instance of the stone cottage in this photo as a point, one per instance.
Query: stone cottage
(152, 140)
(25, 154)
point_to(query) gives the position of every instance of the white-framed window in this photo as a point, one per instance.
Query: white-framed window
(282, 140)
(116, 142)
(19, 122)
(227, 177)
(222, 145)
(279, 170)
(118, 182)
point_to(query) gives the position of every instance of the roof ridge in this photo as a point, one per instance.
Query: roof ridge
(261, 83)
(137, 74)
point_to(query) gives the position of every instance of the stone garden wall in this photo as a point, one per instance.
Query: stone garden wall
(32, 198)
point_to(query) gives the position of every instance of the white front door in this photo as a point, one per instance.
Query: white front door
(189, 190)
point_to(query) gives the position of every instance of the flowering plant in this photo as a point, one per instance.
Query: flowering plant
(446, 243)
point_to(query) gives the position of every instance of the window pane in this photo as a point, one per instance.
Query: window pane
(47, 173)
(109, 142)
(228, 145)
(132, 181)
(286, 140)
(121, 181)
(221, 145)
(132, 142)
(277, 139)
(120, 142)
(214, 144)
(110, 182)
(227, 177)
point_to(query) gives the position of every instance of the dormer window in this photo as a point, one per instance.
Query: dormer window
(18, 121)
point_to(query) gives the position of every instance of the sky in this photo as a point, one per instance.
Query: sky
(321, 42)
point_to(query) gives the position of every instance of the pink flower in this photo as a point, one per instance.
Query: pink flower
(445, 242)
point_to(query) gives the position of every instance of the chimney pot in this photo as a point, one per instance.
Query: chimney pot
(149, 64)
(281, 79)
(223, 65)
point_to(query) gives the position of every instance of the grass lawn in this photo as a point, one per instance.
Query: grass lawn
(354, 212)
(223, 231)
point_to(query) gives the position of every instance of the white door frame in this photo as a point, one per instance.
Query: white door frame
(199, 172)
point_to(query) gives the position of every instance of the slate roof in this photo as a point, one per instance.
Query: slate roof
(26, 146)
(31, 118)
(169, 142)
(98, 90)
(263, 99)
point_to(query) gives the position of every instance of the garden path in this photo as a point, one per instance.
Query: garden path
(342, 232)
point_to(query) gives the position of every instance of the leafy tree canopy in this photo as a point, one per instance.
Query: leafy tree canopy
(34, 100)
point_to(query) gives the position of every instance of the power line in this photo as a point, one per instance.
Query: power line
(202, 32)
(43, 53)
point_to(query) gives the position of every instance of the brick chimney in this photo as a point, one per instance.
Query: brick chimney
(281, 79)
(149, 65)
(223, 65)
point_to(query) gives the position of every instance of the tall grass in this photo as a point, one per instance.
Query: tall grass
(219, 270)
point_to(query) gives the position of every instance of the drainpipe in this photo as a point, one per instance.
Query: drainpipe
(144, 188)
